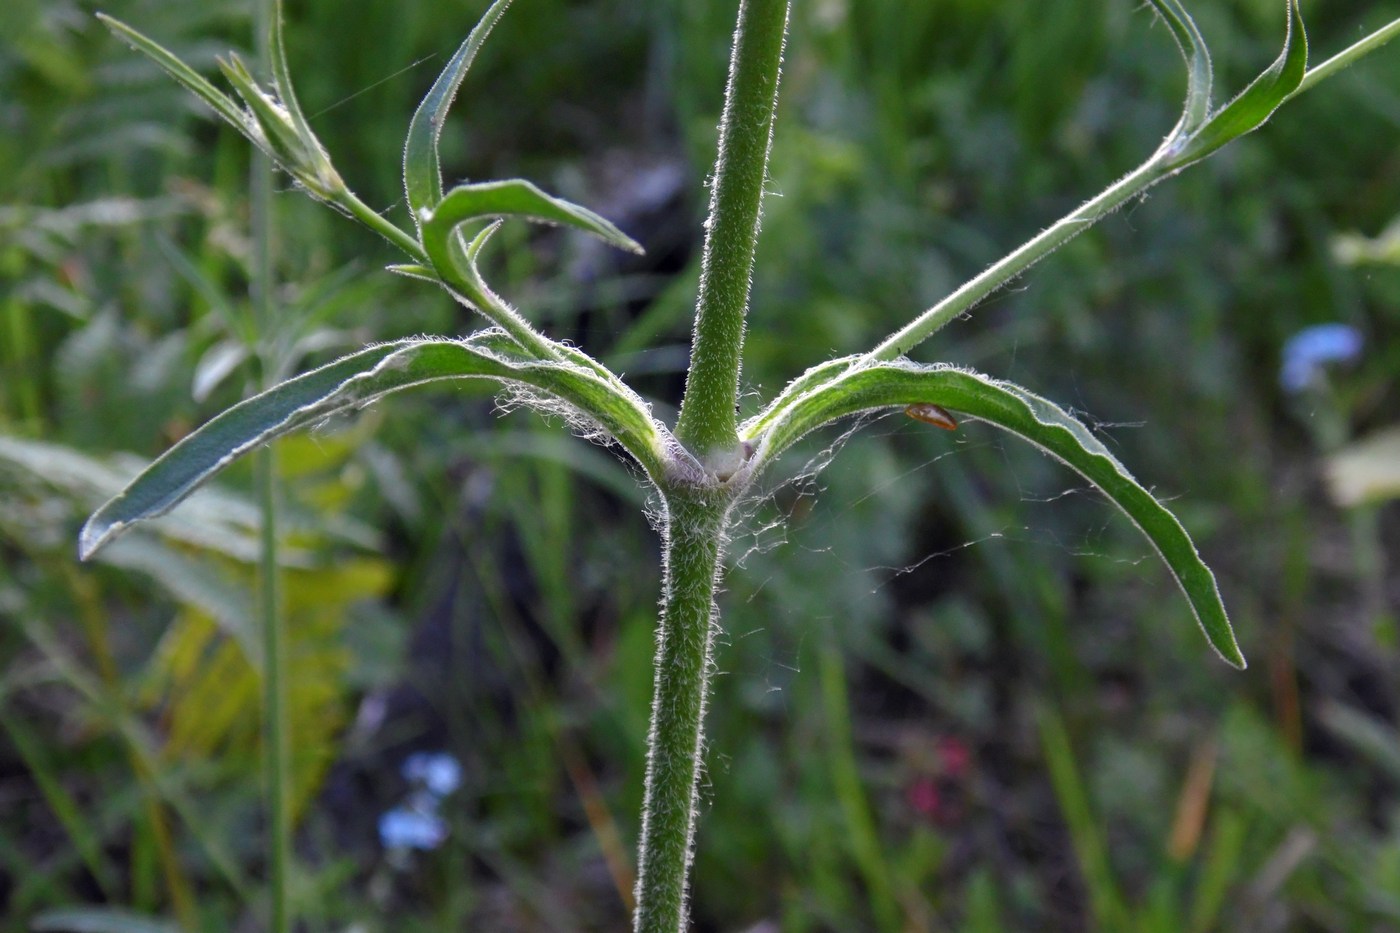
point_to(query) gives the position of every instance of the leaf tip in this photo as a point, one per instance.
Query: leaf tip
(412, 270)
(121, 30)
(1224, 644)
(1233, 657)
(97, 531)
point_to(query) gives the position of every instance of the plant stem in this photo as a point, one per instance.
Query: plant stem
(276, 750)
(707, 421)
(864, 839)
(1095, 209)
(19, 362)
(1352, 53)
(277, 754)
(696, 516)
(371, 218)
(1021, 259)
(694, 530)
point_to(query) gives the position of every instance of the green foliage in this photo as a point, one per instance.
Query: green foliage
(354, 381)
(422, 170)
(862, 388)
(890, 171)
(1200, 133)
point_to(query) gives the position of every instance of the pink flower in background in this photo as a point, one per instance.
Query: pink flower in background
(954, 756)
(923, 798)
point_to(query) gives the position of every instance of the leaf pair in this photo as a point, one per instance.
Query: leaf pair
(862, 383)
(272, 121)
(512, 355)
(516, 356)
(438, 216)
(1201, 131)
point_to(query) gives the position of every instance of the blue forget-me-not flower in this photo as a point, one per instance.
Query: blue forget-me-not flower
(416, 824)
(1307, 351)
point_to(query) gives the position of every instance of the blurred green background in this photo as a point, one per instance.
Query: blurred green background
(956, 691)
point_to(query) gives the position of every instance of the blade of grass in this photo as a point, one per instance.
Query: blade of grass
(864, 835)
(277, 773)
(1105, 900)
(157, 826)
(158, 788)
(99, 920)
(1222, 869)
(35, 756)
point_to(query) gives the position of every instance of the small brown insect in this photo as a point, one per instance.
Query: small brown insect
(936, 415)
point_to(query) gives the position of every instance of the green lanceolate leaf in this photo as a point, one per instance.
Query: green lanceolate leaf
(202, 454)
(282, 76)
(1256, 103)
(223, 105)
(413, 270)
(273, 124)
(1198, 70)
(422, 173)
(512, 198)
(455, 264)
(1035, 419)
(357, 380)
(817, 376)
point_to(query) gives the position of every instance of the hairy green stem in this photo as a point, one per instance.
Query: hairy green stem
(276, 745)
(694, 542)
(377, 222)
(1021, 259)
(1095, 209)
(1351, 54)
(478, 295)
(707, 422)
